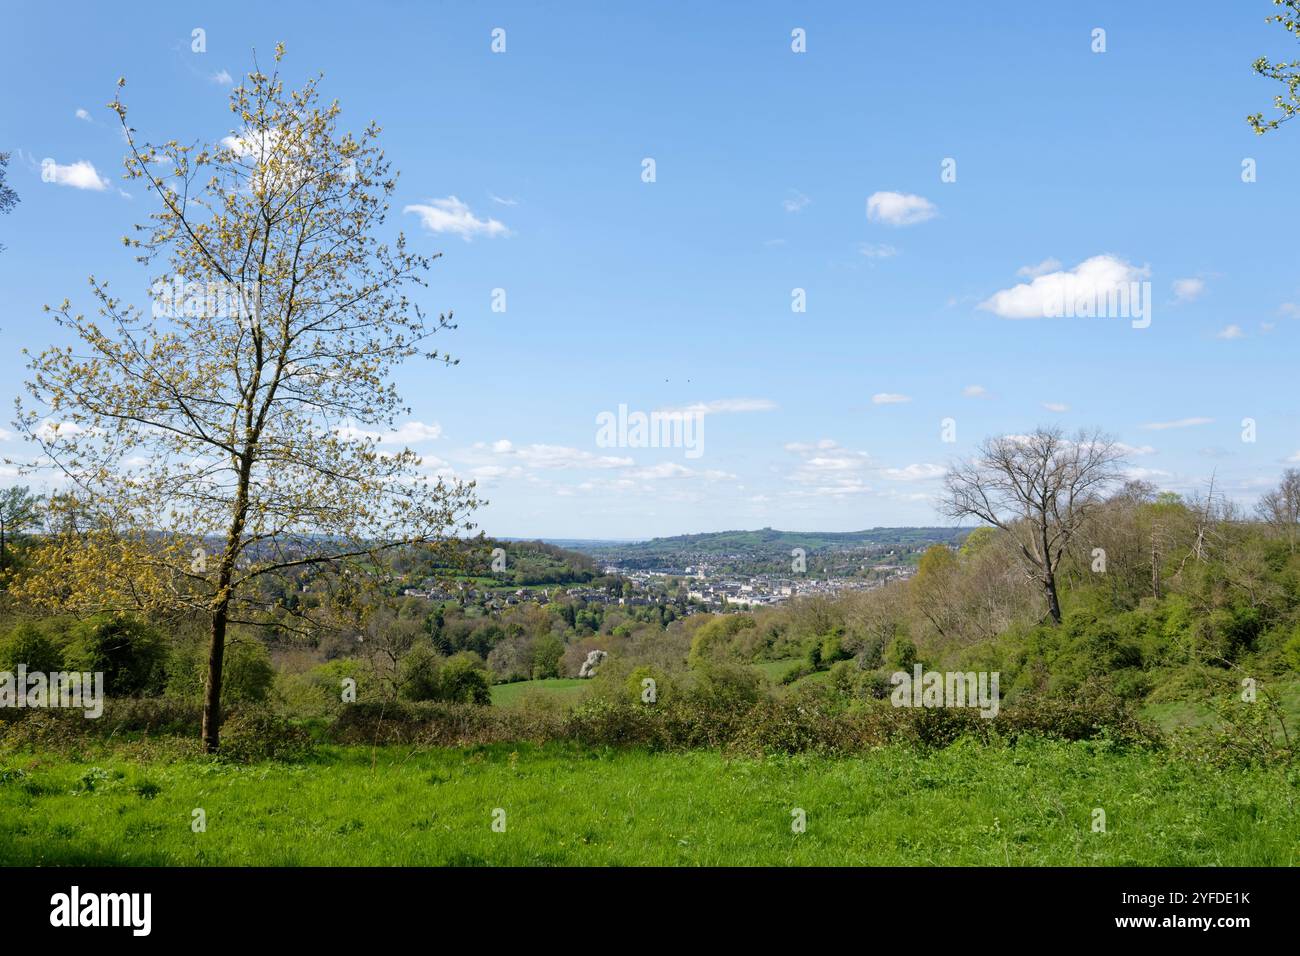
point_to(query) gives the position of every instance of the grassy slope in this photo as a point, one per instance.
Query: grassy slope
(963, 805)
(569, 689)
(1172, 715)
(565, 688)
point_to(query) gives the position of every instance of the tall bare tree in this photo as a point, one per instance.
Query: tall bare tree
(232, 436)
(1039, 488)
(1280, 508)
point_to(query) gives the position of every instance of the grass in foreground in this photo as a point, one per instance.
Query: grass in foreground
(1027, 805)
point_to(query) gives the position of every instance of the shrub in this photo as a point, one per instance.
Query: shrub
(464, 680)
(129, 652)
(796, 671)
(547, 651)
(1246, 734)
(720, 638)
(832, 650)
(1291, 650)
(727, 686)
(419, 673)
(461, 678)
(900, 655)
(28, 644)
(256, 733)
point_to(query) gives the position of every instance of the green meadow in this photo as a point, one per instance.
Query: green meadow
(1034, 803)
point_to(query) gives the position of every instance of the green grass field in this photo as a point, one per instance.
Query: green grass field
(566, 689)
(775, 670)
(968, 804)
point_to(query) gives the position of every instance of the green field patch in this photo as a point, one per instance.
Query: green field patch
(567, 689)
(565, 805)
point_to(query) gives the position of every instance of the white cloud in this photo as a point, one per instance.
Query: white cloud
(1294, 459)
(253, 143)
(453, 216)
(1179, 423)
(801, 447)
(1056, 407)
(666, 469)
(722, 406)
(408, 433)
(1188, 290)
(501, 200)
(1134, 449)
(1091, 280)
(671, 470)
(795, 204)
(975, 391)
(1145, 474)
(889, 398)
(490, 472)
(1049, 264)
(919, 472)
(78, 175)
(81, 114)
(1230, 332)
(878, 250)
(899, 209)
(555, 456)
(828, 469)
(222, 78)
(48, 431)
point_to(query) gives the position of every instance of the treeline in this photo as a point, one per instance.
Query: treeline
(516, 563)
(1161, 596)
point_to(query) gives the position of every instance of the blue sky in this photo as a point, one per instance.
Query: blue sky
(678, 292)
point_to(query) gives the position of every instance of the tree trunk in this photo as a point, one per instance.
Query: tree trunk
(1053, 602)
(220, 611)
(212, 689)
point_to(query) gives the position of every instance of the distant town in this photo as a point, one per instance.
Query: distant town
(711, 572)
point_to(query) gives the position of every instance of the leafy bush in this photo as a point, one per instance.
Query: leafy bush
(727, 686)
(1291, 650)
(130, 653)
(253, 734)
(547, 651)
(28, 644)
(1245, 734)
(724, 637)
(796, 671)
(461, 678)
(419, 673)
(464, 680)
(900, 654)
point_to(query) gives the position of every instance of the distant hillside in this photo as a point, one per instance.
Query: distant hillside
(750, 549)
(526, 563)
